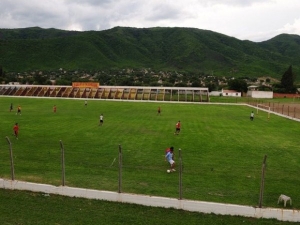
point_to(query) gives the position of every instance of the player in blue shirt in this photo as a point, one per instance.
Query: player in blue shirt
(170, 158)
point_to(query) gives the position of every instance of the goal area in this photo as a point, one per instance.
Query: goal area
(264, 108)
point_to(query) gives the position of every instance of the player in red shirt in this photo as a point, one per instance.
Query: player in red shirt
(177, 131)
(54, 108)
(16, 130)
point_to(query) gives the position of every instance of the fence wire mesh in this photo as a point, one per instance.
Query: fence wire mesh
(208, 182)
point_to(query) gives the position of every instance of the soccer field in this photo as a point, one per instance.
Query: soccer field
(222, 150)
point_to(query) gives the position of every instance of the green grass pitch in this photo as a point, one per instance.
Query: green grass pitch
(222, 150)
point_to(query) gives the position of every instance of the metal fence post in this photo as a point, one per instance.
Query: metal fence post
(180, 174)
(262, 184)
(63, 177)
(12, 169)
(120, 169)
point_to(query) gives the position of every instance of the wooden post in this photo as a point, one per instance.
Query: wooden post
(12, 170)
(200, 95)
(262, 184)
(63, 174)
(193, 96)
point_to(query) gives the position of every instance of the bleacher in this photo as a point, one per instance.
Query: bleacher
(191, 94)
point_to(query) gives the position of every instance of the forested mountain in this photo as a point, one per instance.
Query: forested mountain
(177, 49)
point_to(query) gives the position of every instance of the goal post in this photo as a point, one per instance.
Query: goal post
(296, 98)
(263, 108)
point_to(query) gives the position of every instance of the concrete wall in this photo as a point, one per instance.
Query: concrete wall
(284, 95)
(260, 94)
(215, 93)
(196, 206)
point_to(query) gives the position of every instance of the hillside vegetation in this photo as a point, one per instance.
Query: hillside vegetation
(180, 49)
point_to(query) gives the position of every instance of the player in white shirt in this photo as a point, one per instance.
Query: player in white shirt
(101, 120)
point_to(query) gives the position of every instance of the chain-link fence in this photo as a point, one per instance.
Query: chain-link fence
(254, 185)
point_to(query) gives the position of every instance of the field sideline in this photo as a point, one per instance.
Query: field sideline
(222, 149)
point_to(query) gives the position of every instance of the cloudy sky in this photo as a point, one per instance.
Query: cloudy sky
(255, 20)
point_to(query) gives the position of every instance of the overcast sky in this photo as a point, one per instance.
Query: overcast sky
(255, 20)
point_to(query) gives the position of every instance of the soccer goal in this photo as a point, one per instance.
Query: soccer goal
(263, 108)
(296, 98)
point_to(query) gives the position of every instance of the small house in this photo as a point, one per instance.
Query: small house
(231, 93)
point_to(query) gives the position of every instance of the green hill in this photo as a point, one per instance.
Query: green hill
(181, 49)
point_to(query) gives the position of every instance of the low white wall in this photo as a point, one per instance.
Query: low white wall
(260, 94)
(215, 93)
(196, 206)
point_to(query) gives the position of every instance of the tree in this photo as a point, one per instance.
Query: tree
(211, 86)
(238, 85)
(196, 84)
(287, 80)
(39, 78)
(2, 75)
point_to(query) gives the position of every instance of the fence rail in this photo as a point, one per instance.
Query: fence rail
(291, 110)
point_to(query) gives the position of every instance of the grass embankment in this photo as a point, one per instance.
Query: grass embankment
(20, 207)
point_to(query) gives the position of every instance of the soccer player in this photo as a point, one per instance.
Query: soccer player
(158, 110)
(54, 108)
(101, 120)
(85, 103)
(177, 130)
(18, 110)
(170, 158)
(252, 116)
(11, 107)
(16, 130)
